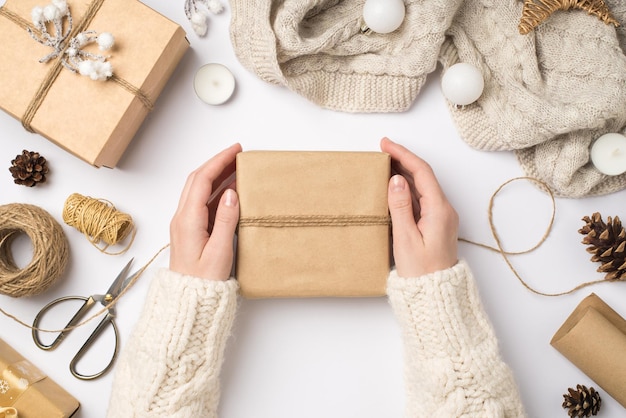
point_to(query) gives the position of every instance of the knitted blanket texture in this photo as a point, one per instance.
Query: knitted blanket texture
(548, 94)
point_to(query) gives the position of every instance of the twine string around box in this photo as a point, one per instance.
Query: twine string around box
(278, 221)
(100, 221)
(57, 65)
(505, 254)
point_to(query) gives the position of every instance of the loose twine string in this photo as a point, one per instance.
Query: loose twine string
(505, 254)
(105, 309)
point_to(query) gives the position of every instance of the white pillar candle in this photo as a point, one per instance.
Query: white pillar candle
(214, 84)
(608, 154)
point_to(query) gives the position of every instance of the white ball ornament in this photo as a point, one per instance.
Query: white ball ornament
(383, 16)
(462, 84)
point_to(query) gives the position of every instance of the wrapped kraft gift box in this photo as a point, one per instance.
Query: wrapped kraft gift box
(94, 120)
(313, 224)
(25, 388)
(593, 338)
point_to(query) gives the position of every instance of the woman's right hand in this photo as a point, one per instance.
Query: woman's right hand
(424, 223)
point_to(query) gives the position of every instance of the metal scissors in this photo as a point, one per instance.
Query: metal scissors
(119, 284)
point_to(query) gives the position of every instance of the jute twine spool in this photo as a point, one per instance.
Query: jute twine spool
(99, 221)
(50, 250)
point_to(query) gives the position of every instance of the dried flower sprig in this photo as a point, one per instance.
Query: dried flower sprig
(199, 17)
(73, 57)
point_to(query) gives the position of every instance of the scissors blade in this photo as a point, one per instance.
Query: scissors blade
(118, 283)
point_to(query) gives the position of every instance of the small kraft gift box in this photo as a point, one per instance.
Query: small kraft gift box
(28, 392)
(313, 224)
(85, 73)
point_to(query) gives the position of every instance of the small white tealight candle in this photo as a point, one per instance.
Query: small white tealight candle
(214, 84)
(462, 84)
(383, 16)
(608, 154)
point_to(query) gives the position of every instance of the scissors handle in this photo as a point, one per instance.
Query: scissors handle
(87, 304)
(108, 319)
(84, 309)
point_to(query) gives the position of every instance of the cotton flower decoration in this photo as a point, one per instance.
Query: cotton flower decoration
(71, 53)
(105, 41)
(199, 21)
(96, 70)
(199, 18)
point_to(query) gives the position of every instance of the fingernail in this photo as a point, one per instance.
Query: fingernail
(398, 183)
(230, 198)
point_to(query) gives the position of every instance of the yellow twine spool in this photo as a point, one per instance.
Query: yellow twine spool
(50, 250)
(99, 221)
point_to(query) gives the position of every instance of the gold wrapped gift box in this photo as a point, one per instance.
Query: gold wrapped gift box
(94, 120)
(25, 388)
(313, 224)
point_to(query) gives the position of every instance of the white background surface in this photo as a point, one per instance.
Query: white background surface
(319, 357)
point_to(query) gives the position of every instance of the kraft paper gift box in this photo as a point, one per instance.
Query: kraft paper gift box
(593, 338)
(94, 120)
(313, 224)
(27, 389)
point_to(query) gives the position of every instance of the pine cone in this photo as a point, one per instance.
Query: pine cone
(607, 243)
(582, 402)
(29, 168)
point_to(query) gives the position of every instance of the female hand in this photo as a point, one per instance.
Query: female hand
(424, 224)
(201, 235)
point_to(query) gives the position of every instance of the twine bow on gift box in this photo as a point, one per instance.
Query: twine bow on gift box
(9, 412)
(68, 50)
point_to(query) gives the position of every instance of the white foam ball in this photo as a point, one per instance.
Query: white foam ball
(383, 16)
(462, 84)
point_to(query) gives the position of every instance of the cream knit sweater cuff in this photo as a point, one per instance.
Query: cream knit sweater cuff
(170, 366)
(453, 367)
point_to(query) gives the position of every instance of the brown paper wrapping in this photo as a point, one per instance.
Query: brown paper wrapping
(94, 120)
(593, 337)
(29, 391)
(313, 224)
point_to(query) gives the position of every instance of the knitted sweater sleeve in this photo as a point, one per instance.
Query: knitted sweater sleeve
(170, 366)
(452, 363)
